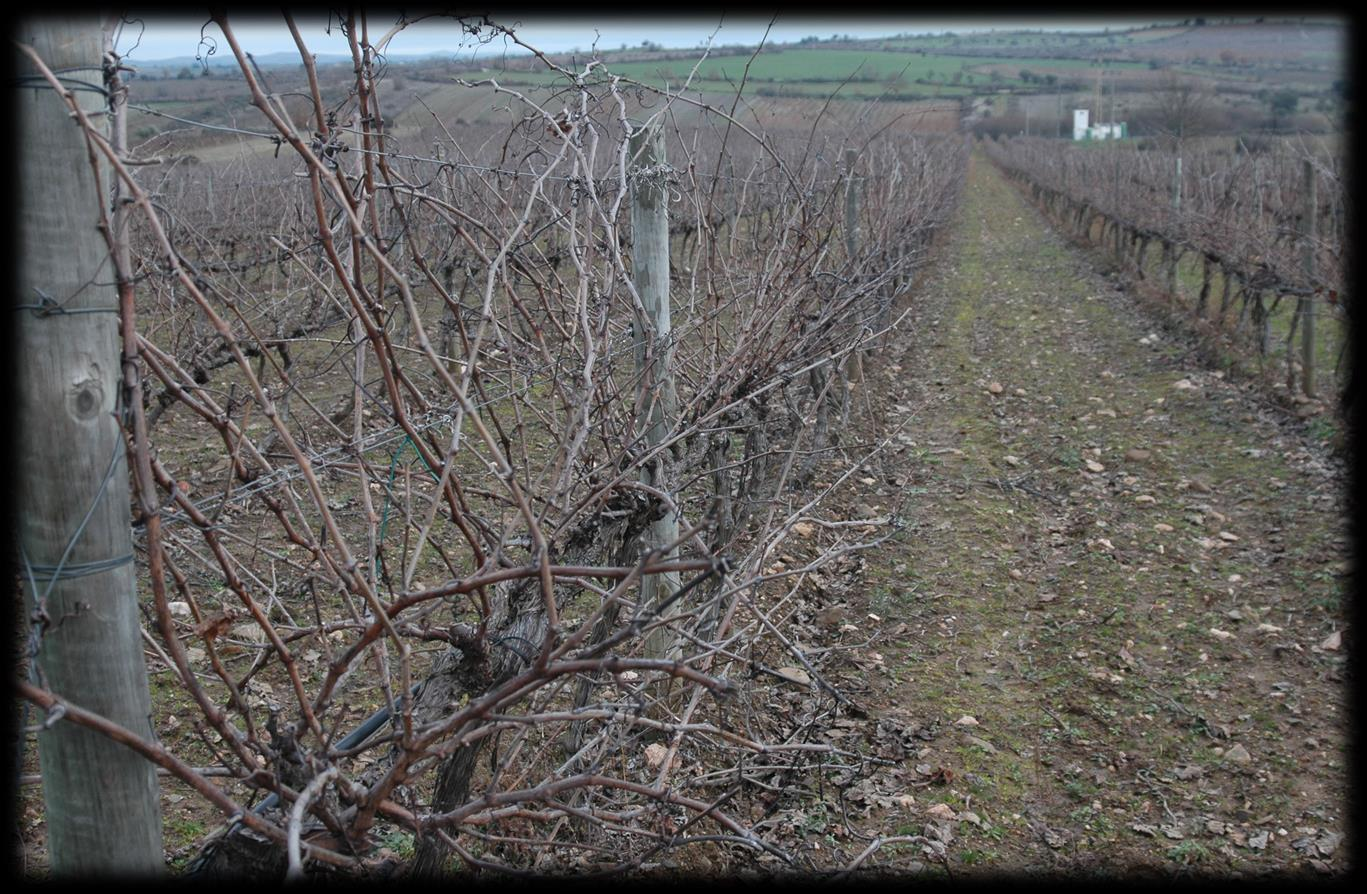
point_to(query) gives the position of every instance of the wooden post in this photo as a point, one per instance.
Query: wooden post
(75, 536)
(851, 249)
(1307, 302)
(894, 286)
(1115, 176)
(851, 207)
(1172, 250)
(654, 350)
(1177, 188)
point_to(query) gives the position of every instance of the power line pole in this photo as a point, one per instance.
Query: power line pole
(75, 537)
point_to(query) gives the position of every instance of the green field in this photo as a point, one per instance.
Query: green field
(866, 73)
(1032, 39)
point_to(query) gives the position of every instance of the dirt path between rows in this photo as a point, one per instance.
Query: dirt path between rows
(1114, 621)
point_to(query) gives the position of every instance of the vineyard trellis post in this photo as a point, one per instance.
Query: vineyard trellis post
(1177, 189)
(852, 240)
(1174, 250)
(1307, 302)
(1115, 196)
(75, 537)
(851, 206)
(654, 348)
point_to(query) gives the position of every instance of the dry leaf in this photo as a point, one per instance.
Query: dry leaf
(794, 674)
(655, 755)
(214, 625)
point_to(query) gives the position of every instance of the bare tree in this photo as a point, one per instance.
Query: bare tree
(1183, 108)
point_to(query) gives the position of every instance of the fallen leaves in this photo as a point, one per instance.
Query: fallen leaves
(941, 812)
(655, 755)
(215, 625)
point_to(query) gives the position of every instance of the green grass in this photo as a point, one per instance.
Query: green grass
(1091, 40)
(1329, 332)
(820, 71)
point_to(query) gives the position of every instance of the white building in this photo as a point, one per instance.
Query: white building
(1081, 131)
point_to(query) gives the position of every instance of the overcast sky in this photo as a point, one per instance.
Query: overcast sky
(165, 37)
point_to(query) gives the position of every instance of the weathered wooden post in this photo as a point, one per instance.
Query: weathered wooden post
(851, 206)
(1172, 250)
(1115, 195)
(1307, 302)
(851, 250)
(654, 349)
(1177, 189)
(73, 525)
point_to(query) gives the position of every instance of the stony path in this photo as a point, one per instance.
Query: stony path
(1122, 570)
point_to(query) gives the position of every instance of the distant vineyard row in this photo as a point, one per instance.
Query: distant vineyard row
(1267, 231)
